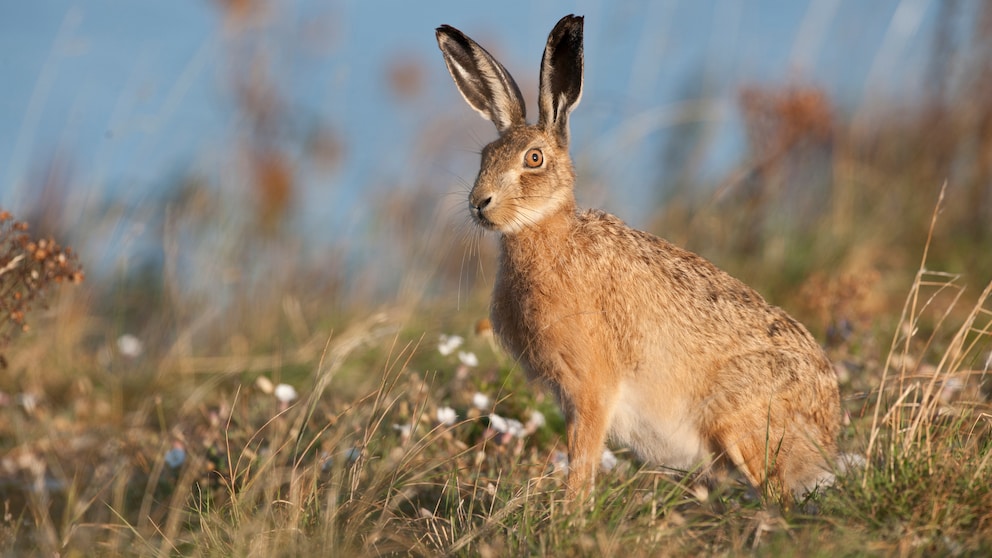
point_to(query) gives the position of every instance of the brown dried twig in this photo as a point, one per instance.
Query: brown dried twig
(28, 267)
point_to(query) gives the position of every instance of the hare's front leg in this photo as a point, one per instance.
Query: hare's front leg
(587, 420)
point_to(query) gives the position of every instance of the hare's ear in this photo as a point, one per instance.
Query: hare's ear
(484, 82)
(561, 76)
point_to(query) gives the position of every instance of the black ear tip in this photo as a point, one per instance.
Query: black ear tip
(571, 23)
(443, 30)
(569, 28)
(446, 33)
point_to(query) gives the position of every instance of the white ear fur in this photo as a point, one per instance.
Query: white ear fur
(561, 76)
(484, 83)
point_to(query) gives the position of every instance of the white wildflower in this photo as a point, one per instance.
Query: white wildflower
(516, 428)
(468, 358)
(608, 461)
(446, 416)
(498, 423)
(536, 420)
(509, 426)
(449, 343)
(481, 401)
(130, 346)
(285, 393)
(403, 429)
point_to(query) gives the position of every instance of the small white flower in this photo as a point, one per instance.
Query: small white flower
(498, 423)
(481, 401)
(446, 416)
(285, 393)
(403, 429)
(509, 426)
(130, 346)
(536, 420)
(516, 428)
(468, 358)
(608, 461)
(449, 343)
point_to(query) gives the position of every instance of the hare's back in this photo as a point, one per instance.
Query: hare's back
(655, 285)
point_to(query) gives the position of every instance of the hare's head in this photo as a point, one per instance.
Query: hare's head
(526, 174)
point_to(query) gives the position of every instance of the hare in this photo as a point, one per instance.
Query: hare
(640, 340)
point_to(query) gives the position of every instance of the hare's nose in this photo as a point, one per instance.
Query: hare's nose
(478, 206)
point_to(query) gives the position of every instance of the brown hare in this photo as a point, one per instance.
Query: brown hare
(640, 340)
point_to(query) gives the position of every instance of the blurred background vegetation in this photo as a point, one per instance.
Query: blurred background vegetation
(257, 176)
(322, 154)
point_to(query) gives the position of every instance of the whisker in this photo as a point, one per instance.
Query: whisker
(459, 193)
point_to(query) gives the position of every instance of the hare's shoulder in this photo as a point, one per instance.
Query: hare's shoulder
(689, 278)
(612, 238)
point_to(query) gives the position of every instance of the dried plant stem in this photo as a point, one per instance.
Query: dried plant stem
(909, 309)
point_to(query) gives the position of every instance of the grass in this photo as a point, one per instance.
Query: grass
(139, 416)
(156, 455)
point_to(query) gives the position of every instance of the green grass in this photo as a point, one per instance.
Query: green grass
(825, 217)
(361, 465)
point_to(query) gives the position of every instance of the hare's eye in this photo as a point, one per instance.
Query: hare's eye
(534, 158)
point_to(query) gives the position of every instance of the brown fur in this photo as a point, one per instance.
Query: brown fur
(644, 341)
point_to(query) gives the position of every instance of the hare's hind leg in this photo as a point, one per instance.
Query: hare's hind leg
(775, 425)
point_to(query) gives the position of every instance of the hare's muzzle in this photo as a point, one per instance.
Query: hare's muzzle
(477, 206)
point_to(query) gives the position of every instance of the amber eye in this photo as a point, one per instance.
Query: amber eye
(534, 158)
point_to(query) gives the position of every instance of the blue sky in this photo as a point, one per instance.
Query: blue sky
(134, 93)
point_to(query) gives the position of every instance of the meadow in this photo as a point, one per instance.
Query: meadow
(242, 395)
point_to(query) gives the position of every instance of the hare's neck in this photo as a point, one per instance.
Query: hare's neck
(534, 245)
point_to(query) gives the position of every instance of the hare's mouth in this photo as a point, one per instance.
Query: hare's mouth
(479, 215)
(481, 220)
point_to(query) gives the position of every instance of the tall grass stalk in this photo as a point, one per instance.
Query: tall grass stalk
(918, 404)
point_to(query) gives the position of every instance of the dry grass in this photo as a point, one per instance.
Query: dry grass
(204, 459)
(141, 414)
